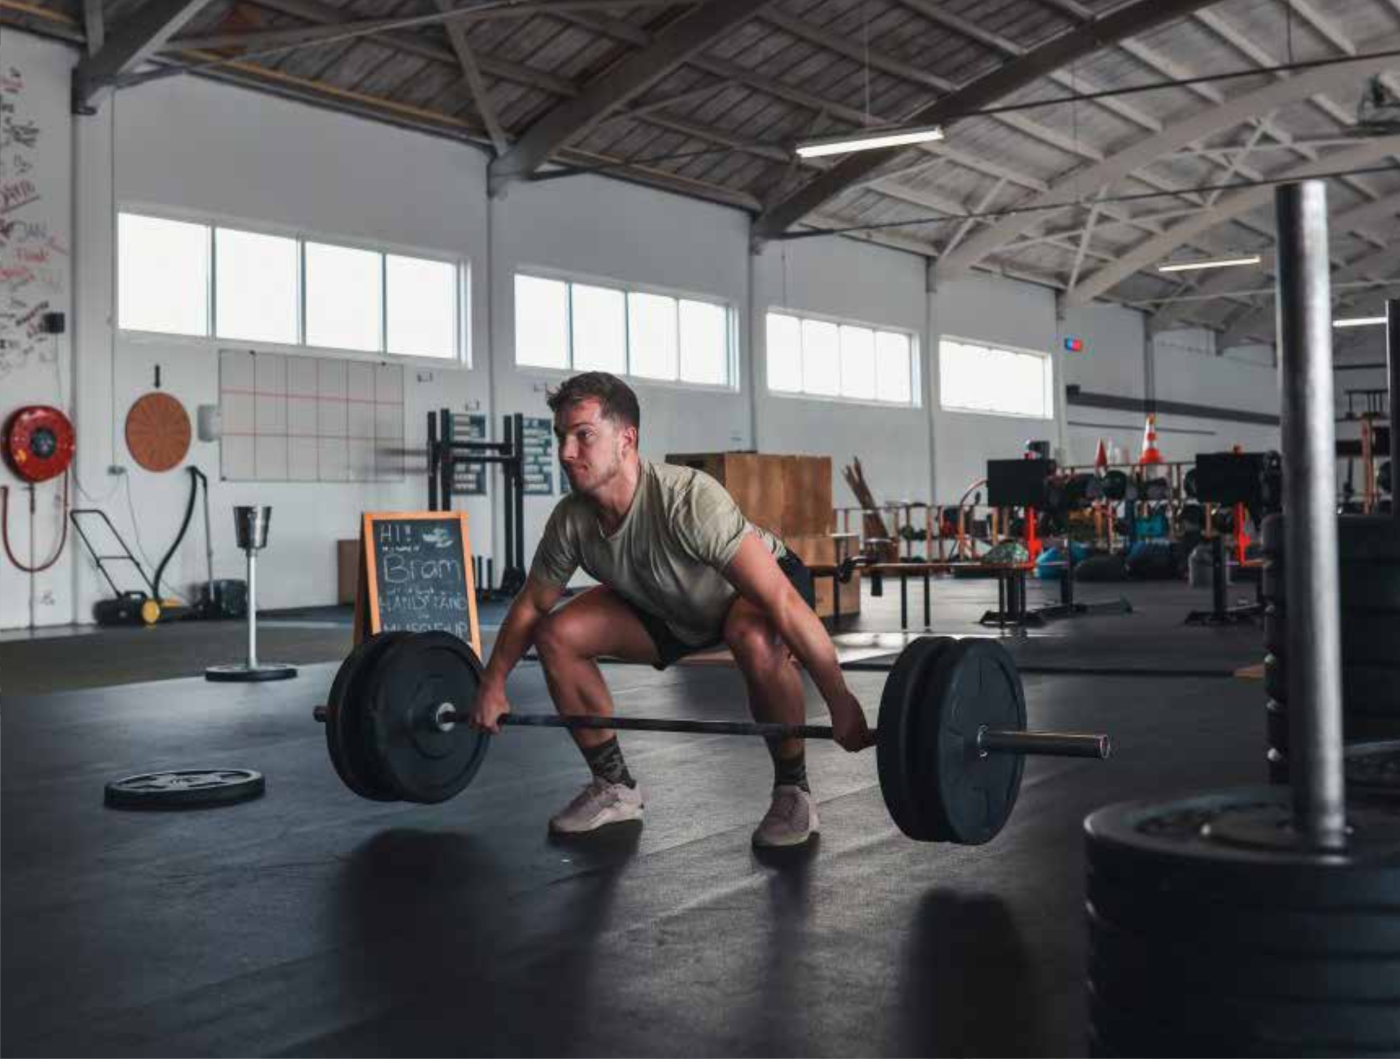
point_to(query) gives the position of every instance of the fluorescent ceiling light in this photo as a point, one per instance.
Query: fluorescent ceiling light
(870, 140)
(1221, 262)
(1359, 321)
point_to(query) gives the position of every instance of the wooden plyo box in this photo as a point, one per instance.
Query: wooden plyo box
(754, 480)
(792, 497)
(786, 495)
(807, 499)
(347, 557)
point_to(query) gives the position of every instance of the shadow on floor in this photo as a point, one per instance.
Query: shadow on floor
(967, 984)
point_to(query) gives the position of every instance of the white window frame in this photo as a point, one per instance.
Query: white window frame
(463, 357)
(916, 391)
(584, 279)
(1006, 347)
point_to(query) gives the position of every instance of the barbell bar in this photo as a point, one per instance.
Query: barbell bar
(950, 741)
(988, 740)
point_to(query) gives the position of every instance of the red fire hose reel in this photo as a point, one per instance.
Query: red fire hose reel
(38, 442)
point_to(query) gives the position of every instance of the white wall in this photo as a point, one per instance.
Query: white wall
(35, 277)
(588, 226)
(853, 281)
(221, 153)
(225, 153)
(1113, 361)
(1187, 369)
(993, 310)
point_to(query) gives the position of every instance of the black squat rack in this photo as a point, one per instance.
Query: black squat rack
(450, 453)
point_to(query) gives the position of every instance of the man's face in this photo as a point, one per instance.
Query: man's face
(591, 446)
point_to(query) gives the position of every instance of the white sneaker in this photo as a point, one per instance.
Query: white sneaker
(791, 819)
(598, 804)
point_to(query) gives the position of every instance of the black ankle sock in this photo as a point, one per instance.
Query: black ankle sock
(789, 771)
(605, 761)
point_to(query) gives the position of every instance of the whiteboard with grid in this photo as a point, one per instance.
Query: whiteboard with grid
(309, 419)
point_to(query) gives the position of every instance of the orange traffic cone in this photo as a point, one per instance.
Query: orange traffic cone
(1150, 453)
(1101, 457)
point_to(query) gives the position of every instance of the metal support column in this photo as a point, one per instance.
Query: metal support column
(1309, 492)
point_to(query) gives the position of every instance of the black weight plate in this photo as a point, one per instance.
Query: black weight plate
(1227, 1025)
(1368, 638)
(413, 678)
(969, 797)
(1358, 730)
(1363, 538)
(1219, 966)
(1369, 728)
(1367, 691)
(345, 711)
(1271, 534)
(1266, 926)
(1157, 852)
(897, 755)
(184, 789)
(1192, 518)
(1263, 927)
(1276, 726)
(1364, 586)
(1374, 769)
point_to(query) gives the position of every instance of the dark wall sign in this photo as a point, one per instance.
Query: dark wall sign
(538, 448)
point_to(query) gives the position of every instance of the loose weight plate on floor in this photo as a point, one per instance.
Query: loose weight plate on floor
(346, 728)
(411, 754)
(1202, 945)
(945, 789)
(184, 789)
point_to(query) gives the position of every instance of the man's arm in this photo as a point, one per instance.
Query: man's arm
(535, 600)
(759, 579)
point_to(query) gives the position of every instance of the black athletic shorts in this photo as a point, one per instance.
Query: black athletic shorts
(670, 649)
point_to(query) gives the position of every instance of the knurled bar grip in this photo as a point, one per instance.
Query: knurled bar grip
(1054, 744)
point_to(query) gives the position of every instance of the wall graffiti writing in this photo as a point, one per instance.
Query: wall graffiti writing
(33, 260)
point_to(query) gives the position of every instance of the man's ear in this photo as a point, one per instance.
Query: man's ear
(630, 435)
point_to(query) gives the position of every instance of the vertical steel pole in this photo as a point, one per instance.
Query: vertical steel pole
(1309, 493)
(1392, 356)
(434, 454)
(252, 609)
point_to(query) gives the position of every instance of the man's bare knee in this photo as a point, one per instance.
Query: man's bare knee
(756, 645)
(556, 638)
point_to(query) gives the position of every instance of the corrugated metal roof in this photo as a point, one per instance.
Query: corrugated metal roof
(813, 67)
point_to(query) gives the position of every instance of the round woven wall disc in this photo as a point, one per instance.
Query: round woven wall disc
(158, 432)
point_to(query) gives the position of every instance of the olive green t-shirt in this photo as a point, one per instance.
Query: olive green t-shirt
(669, 555)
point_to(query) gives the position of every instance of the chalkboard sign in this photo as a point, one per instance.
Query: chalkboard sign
(416, 575)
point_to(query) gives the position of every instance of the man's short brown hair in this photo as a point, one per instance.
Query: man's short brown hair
(616, 398)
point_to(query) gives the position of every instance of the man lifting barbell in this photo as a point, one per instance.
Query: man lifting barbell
(680, 570)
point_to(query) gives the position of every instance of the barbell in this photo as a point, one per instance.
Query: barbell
(950, 740)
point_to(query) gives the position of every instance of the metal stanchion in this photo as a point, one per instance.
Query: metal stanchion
(250, 527)
(1310, 537)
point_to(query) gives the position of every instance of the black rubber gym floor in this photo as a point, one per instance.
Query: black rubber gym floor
(311, 922)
